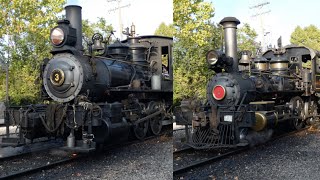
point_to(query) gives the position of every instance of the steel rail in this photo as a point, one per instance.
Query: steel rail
(188, 148)
(40, 168)
(19, 151)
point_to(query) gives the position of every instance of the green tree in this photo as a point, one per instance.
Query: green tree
(308, 36)
(24, 39)
(194, 35)
(246, 38)
(89, 28)
(165, 30)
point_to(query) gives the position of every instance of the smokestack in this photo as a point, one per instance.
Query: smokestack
(73, 14)
(230, 39)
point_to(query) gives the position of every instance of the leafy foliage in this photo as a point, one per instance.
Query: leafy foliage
(194, 35)
(308, 36)
(165, 30)
(89, 28)
(246, 38)
(24, 36)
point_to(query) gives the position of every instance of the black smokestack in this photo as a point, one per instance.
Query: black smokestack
(73, 14)
(230, 39)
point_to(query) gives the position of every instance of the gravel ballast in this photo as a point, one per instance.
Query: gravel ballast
(293, 157)
(151, 159)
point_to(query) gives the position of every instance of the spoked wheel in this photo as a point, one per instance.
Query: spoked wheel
(297, 109)
(140, 130)
(156, 122)
(312, 112)
(297, 123)
(156, 125)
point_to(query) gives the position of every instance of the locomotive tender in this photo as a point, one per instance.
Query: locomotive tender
(248, 98)
(115, 92)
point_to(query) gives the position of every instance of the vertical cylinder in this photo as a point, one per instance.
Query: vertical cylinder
(230, 38)
(71, 140)
(73, 14)
(156, 82)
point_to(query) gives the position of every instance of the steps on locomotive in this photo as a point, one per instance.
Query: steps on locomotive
(12, 141)
(9, 136)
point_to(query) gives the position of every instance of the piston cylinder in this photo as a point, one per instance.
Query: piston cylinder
(265, 119)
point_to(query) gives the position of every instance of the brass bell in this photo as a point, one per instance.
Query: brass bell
(97, 44)
(245, 58)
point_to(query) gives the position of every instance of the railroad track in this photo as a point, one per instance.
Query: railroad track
(208, 157)
(6, 153)
(41, 167)
(183, 149)
(68, 159)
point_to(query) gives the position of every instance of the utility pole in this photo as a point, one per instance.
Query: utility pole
(119, 7)
(7, 61)
(259, 13)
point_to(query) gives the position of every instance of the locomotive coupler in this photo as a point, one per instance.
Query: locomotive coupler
(87, 140)
(85, 145)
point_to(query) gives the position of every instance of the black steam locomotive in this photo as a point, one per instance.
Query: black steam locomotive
(115, 92)
(248, 98)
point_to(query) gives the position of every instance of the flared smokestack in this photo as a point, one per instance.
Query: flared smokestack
(73, 14)
(230, 39)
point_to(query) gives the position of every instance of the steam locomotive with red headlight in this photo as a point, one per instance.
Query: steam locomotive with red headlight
(248, 97)
(106, 96)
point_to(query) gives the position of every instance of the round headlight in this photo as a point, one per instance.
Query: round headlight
(57, 36)
(212, 57)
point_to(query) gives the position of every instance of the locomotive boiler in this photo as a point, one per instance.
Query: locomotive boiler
(106, 96)
(248, 97)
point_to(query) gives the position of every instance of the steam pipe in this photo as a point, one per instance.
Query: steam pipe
(73, 14)
(230, 39)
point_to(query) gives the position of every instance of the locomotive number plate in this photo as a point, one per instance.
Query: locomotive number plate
(227, 118)
(57, 77)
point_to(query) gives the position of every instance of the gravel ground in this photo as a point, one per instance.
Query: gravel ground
(151, 159)
(293, 157)
(29, 161)
(179, 137)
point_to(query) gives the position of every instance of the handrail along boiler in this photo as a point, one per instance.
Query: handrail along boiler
(247, 99)
(100, 98)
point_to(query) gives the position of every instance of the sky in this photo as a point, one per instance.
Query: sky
(146, 15)
(283, 18)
